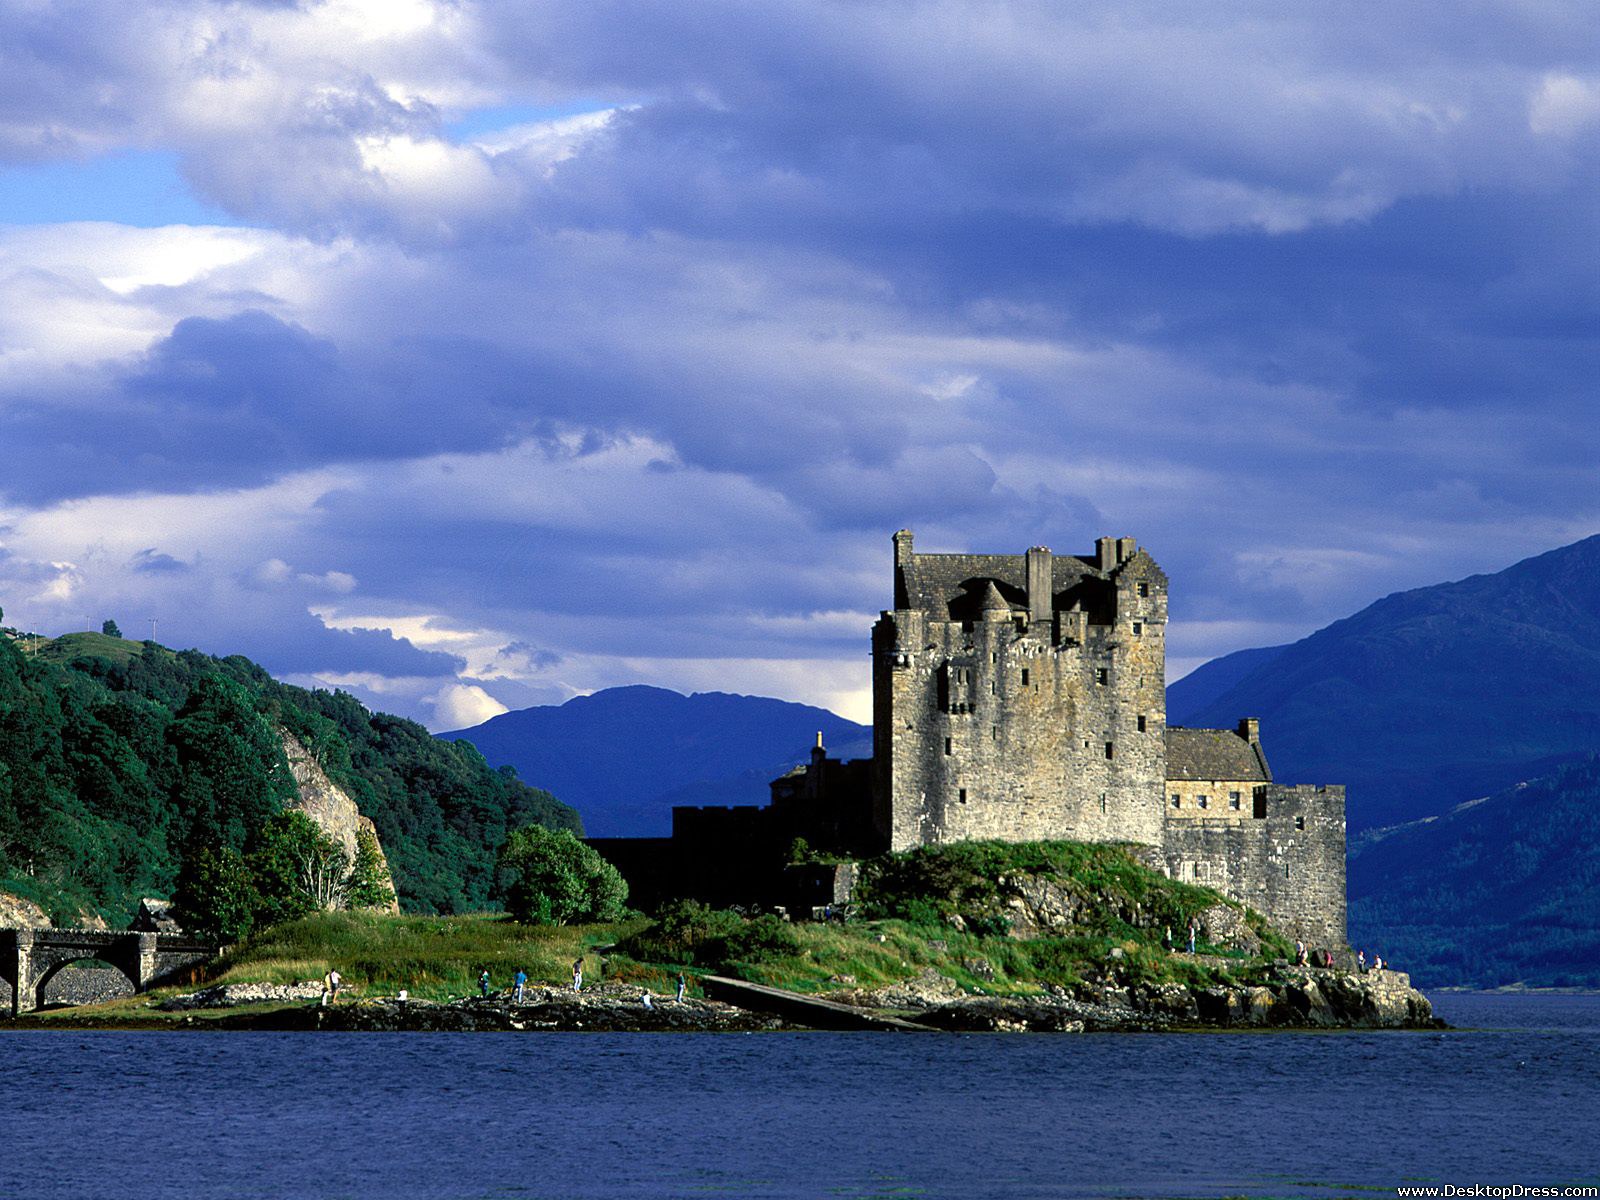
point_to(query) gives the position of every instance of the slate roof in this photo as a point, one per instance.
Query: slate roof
(932, 582)
(1214, 754)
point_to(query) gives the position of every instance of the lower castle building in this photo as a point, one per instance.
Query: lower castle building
(1022, 697)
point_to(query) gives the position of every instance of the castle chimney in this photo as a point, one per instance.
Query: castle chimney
(1106, 552)
(1041, 584)
(819, 739)
(902, 548)
(1250, 729)
(1126, 549)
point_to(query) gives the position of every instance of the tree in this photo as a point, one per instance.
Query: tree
(109, 628)
(548, 877)
(368, 885)
(216, 896)
(298, 869)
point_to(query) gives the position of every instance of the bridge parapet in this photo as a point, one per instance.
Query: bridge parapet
(29, 958)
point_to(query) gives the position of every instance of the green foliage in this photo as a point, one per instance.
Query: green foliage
(929, 885)
(688, 933)
(298, 869)
(369, 881)
(118, 759)
(109, 628)
(548, 877)
(216, 897)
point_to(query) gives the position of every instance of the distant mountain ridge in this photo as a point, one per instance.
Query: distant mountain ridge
(624, 756)
(1197, 689)
(1501, 890)
(1430, 697)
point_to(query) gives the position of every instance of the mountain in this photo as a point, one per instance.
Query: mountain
(1435, 696)
(1205, 683)
(624, 756)
(1497, 891)
(118, 758)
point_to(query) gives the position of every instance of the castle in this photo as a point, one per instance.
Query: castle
(1022, 697)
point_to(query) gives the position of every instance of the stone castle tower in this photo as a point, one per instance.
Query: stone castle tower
(1022, 697)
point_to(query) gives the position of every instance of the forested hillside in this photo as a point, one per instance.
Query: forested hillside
(1502, 890)
(1432, 697)
(117, 758)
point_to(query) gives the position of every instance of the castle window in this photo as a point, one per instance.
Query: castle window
(1102, 802)
(1110, 749)
(1144, 589)
(962, 795)
(1203, 801)
(1299, 822)
(1233, 799)
(1138, 629)
(1024, 676)
(947, 745)
(1102, 675)
(1141, 724)
(1177, 800)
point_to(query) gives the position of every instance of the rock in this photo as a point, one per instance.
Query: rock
(1225, 925)
(17, 913)
(981, 967)
(326, 803)
(155, 916)
(231, 995)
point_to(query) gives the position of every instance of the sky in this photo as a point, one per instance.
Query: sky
(470, 356)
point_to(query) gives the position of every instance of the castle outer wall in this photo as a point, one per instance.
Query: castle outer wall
(1021, 697)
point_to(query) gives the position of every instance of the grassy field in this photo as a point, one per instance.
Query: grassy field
(910, 901)
(94, 645)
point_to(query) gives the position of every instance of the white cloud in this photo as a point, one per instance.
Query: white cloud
(1564, 105)
(460, 706)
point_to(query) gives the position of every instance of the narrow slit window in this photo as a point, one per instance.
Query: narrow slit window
(1203, 801)
(1102, 676)
(1144, 589)
(962, 795)
(1110, 749)
(1177, 800)
(1299, 822)
(1138, 629)
(1141, 724)
(1024, 676)
(947, 745)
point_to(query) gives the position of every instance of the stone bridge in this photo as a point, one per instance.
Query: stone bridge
(30, 958)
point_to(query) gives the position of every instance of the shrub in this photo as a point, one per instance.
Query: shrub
(548, 877)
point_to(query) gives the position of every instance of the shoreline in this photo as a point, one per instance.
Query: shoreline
(1309, 1000)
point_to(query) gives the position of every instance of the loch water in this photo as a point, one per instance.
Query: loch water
(1510, 1098)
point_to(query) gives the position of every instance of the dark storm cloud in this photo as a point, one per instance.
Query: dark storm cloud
(1307, 303)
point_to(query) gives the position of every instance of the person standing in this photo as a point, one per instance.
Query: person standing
(330, 984)
(1194, 932)
(644, 996)
(577, 974)
(1299, 953)
(521, 982)
(483, 983)
(683, 986)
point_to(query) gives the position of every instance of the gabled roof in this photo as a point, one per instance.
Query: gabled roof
(1214, 754)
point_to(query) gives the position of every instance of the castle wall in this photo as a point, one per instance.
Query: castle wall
(1289, 865)
(1191, 798)
(1016, 728)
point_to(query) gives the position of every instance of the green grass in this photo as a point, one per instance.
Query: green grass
(90, 645)
(438, 958)
(434, 958)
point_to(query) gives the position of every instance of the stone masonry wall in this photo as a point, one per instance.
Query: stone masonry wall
(1021, 725)
(1290, 865)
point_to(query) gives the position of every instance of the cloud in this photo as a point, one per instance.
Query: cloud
(585, 343)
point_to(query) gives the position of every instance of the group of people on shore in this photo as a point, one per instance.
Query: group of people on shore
(519, 983)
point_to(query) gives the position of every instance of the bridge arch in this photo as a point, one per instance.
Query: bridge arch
(95, 989)
(31, 958)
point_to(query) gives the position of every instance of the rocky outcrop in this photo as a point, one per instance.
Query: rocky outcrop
(1298, 998)
(17, 913)
(1036, 905)
(330, 806)
(231, 995)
